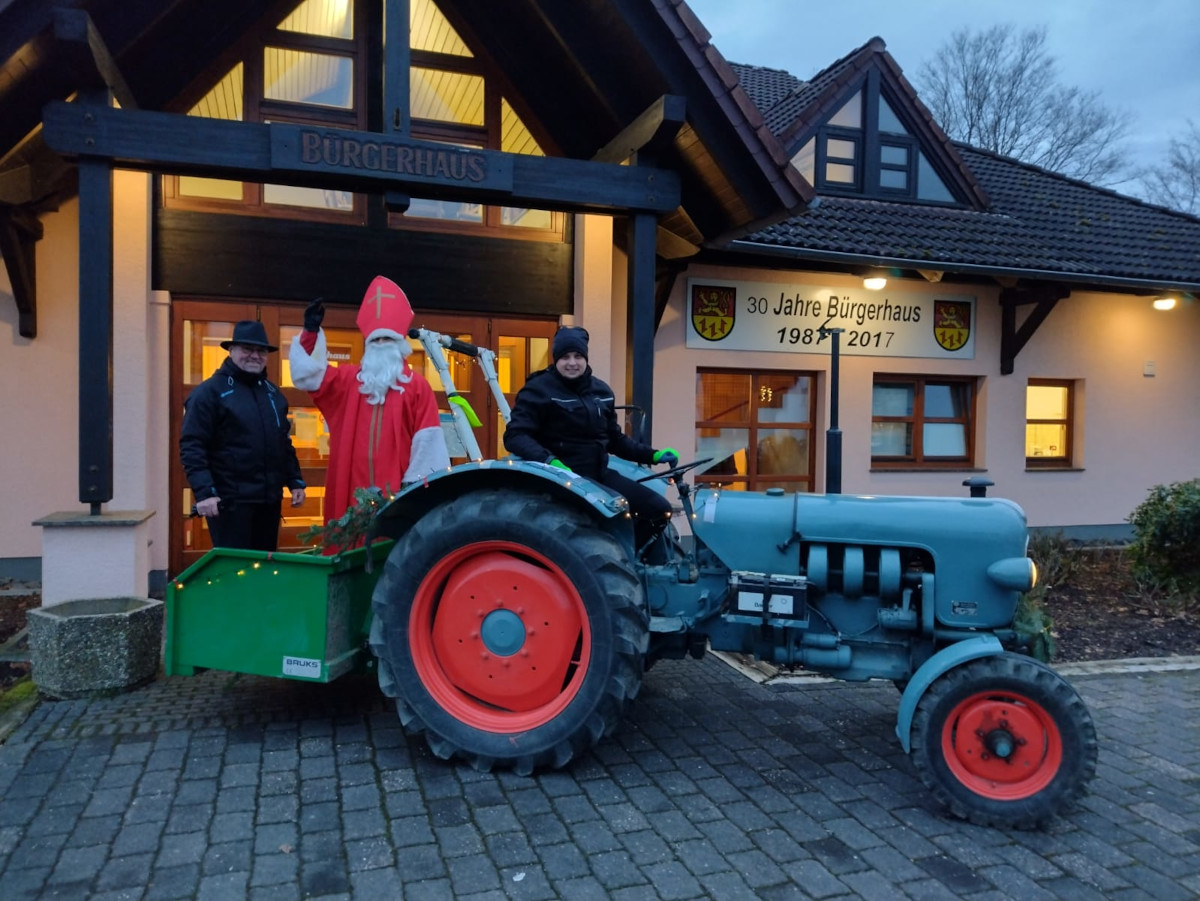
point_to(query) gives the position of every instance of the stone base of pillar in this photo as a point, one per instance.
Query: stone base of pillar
(104, 555)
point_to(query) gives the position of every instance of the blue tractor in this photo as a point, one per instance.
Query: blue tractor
(514, 620)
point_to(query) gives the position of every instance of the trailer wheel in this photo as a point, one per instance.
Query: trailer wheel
(510, 629)
(1004, 741)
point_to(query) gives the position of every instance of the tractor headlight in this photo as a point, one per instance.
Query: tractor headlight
(1017, 573)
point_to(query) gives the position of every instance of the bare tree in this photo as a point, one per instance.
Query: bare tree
(1176, 182)
(998, 90)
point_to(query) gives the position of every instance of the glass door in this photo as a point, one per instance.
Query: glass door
(198, 328)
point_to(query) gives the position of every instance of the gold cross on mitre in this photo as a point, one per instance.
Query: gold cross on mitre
(378, 298)
(384, 306)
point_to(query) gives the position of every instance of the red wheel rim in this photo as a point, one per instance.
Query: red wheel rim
(499, 637)
(1003, 747)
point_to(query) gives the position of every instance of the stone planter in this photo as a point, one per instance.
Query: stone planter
(103, 645)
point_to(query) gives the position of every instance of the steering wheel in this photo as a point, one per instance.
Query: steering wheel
(675, 471)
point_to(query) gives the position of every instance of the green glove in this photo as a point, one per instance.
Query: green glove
(554, 461)
(667, 455)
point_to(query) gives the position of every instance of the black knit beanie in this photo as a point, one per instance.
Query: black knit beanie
(570, 339)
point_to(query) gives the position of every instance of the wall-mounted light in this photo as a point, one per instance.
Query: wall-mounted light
(1164, 303)
(874, 282)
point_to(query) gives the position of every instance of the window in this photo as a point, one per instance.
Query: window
(865, 148)
(922, 421)
(309, 68)
(1049, 422)
(305, 69)
(453, 100)
(757, 427)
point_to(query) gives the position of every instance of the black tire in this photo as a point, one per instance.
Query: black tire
(1004, 741)
(510, 629)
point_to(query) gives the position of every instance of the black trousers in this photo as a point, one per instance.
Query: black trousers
(651, 511)
(250, 527)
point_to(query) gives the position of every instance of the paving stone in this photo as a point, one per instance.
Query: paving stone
(219, 787)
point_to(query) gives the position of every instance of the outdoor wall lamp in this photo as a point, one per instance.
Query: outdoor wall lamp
(874, 281)
(1164, 303)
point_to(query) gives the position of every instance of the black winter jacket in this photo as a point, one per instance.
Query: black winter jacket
(574, 420)
(234, 443)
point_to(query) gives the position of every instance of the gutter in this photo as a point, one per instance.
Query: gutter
(797, 253)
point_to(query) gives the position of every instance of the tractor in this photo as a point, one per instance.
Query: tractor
(510, 615)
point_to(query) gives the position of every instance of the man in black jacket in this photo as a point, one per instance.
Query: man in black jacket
(236, 448)
(566, 417)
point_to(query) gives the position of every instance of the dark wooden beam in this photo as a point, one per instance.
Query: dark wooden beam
(92, 66)
(1043, 297)
(289, 260)
(397, 58)
(138, 139)
(653, 131)
(95, 333)
(19, 234)
(41, 174)
(640, 317)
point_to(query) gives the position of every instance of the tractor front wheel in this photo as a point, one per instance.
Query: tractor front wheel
(1004, 741)
(510, 630)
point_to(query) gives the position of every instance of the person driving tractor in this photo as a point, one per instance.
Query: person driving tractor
(566, 417)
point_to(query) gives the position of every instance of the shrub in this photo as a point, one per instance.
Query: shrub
(1166, 545)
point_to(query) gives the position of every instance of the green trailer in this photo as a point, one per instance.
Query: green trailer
(297, 616)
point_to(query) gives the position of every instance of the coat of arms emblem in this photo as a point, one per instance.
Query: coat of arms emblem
(713, 310)
(951, 323)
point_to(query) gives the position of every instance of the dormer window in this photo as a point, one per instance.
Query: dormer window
(865, 149)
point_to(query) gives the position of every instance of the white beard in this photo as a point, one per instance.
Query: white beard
(382, 369)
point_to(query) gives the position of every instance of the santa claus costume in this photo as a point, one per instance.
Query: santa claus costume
(384, 427)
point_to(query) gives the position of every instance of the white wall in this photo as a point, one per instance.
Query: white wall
(39, 469)
(1135, 431)
(39, 404)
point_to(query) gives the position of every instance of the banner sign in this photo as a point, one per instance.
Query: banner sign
(769, 316)
(299, 147)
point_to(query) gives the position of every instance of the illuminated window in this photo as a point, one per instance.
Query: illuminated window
(453, 100)
(922, 421)
(1049, 421)
(757, 427)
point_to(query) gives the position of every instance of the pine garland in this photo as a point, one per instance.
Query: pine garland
(350, 529)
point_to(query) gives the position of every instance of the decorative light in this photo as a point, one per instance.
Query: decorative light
(874, 282)
(1164, 303)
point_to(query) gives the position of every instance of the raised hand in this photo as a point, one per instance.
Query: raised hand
(314, 313)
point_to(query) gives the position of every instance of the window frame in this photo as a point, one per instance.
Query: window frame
(257, 108)
(1066, 460)
(870, 140)
(753, 425)
(917, 459)
(829, 133)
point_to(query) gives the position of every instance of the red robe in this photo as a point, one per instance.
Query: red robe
(370, 445)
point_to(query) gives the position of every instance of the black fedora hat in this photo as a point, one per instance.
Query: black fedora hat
(251, 333)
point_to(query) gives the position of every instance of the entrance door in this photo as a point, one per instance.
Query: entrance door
(198, 328)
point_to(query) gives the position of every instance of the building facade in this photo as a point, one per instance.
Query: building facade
(709, 224)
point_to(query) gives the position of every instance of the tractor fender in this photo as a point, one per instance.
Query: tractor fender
(940, 663)
(417, 499)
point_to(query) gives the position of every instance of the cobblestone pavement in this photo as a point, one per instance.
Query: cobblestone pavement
(227, 787)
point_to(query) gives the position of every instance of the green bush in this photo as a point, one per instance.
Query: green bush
(1166, 545)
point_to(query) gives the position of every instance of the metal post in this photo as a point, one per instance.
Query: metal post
(833, 437)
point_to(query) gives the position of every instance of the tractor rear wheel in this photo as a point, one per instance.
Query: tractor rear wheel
(1004, 741)
(510, 629)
